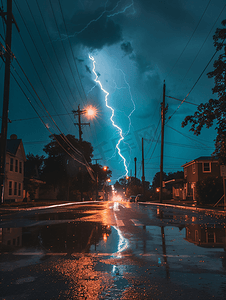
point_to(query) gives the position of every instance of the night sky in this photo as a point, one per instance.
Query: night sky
(136, 45)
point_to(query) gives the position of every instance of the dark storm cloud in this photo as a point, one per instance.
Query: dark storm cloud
(142, 63)
(173, 11)
(94, 29)
(88, 69)
(80, 60)
(127, 48)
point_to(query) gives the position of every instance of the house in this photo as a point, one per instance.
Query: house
(196, 170)
(14, 170)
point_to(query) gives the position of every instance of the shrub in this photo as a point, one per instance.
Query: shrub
(209, 190)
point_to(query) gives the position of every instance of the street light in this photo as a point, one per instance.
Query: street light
(105, 168)
(91, 112)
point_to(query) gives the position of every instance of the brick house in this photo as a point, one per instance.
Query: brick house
(198, 169)
(14, 169)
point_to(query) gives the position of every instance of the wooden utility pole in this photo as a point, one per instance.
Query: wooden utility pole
(162, 139)
(143, 177)
(78, 113)
(9, 20)
(135, 173)
(97, 179)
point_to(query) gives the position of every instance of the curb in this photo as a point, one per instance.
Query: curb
(185, 207)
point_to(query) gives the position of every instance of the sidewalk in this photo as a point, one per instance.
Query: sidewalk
(191, 205)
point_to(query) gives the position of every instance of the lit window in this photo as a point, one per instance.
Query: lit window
(11, 164)
(206, 167)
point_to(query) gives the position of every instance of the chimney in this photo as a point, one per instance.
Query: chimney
(13, 137)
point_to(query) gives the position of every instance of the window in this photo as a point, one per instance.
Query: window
(206, 167)
(185, 172)
(20, 167)
(19, 189)
(15, 188)
(11, 164)
(193, 168)
(16, 166)
(10, 187)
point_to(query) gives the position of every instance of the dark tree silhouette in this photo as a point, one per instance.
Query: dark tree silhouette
(214, 109)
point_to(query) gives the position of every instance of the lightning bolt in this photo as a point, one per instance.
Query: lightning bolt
(111, 14)
(112, 114)
(131, 97)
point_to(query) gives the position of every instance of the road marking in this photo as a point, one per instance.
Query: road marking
(119, 223)
(136, 222)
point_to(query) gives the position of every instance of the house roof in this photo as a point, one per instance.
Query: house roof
(12, 145)
(201, 158)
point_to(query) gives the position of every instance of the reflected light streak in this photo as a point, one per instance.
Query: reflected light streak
(122, 244)
(112, 115)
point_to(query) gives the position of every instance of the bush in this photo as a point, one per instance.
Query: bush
(209, 190)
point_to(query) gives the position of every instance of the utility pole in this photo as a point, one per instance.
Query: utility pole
(97, 181)
(9, 20)
(135, 173)
(78, 113)
(163, 109)
(143, 177)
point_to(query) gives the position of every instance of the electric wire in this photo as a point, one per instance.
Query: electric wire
(42, 64)
(65, 51)
(74, 59)
(187, 136)
(189, 38)
(89, 169)
(192, 87)
(203, 69)
(62, 71)
(203, 44)
(49, 58)
(63, 136)
(43, 121)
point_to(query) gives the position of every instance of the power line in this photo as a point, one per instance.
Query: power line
(189, 38)
(203, 69)
(49, 58)
(72, 51)
(62, 71)
(187, 136)
(192, 86)
(203, 43)
(42, 64)
(65, 50)
(89, 169)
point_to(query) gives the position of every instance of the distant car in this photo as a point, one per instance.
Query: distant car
(132, 198)
(140, 198)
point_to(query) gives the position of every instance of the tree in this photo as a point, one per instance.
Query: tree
(209, 190)
(32, 170)
(214, 109)
(66, 164)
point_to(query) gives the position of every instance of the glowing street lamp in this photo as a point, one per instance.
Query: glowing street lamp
(91, 112)
(105, 168)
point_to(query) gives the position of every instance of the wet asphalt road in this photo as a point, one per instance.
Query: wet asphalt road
(112, 250)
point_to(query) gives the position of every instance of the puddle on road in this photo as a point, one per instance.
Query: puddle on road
(180, 253)
(73, 237)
